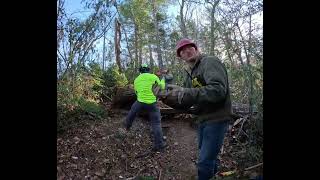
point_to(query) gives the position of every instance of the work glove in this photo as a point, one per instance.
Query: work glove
(158, 92)
(175, 90)
(155, 89)
(177, 98)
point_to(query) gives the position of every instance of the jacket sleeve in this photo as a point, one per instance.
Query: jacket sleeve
(161, 82)
(215, 89)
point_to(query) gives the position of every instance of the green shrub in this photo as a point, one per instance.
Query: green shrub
(112, 77)
(91, 107)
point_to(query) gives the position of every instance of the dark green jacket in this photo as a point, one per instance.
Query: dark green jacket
(207, 87)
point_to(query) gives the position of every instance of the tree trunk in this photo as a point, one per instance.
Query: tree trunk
(248, 65)
(226, 38)
(104, 51)
(136, 37)
(155, 21)
(111, 50)
(117, 38)
(237, 49)
(136, 45)
(212, 35)
(126, 37)
(150, 55)
(212, 38)
(140, 50)
(251, 90)
(183, 25)
(58, 7)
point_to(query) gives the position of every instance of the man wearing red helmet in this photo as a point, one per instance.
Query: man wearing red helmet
(206, 91)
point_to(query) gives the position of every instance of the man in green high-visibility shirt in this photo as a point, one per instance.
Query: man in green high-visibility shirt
(143, 86)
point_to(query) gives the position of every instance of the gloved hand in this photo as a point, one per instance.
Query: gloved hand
(177, 98)
(175, 90)
(155, 89)
(158, 92)
(174, 87)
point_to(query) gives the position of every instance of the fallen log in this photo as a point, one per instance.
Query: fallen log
(125, 96)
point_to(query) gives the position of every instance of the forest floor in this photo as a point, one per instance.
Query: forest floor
(102, 149)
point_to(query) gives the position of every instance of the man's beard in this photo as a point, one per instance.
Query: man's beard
(193, 58)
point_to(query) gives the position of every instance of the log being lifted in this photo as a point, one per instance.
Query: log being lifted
(124, 97)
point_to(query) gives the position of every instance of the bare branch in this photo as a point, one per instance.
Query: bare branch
(125, 34)
(86, 28)
(97, 37)
(62, 57)
(78, 12)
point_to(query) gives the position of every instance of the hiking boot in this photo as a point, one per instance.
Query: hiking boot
(127, 127)
(159, 149)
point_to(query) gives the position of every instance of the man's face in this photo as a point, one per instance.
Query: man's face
(188, 53)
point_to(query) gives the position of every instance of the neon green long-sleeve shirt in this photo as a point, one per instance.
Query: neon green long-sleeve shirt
(143, 87)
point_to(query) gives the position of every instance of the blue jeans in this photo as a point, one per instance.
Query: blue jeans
(210, 138)
(154, 117)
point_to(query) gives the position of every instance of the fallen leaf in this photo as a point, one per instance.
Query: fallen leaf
(131, 178)
(74, 166)
(98, 173)
(76, 138)
(74, 157)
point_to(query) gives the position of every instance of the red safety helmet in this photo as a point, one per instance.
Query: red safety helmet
(184, 42)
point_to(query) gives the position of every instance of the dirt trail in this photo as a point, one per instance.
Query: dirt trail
(102, 150)
(185, 145)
